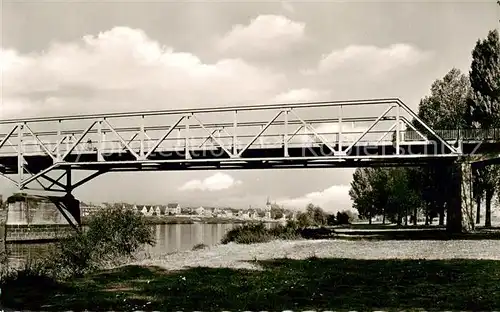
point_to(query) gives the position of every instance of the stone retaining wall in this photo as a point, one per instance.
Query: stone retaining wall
(26, 233)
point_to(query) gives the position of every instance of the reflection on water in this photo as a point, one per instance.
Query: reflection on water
(179, 237)
(169, 238)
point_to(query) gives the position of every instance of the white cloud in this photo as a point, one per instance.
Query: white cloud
(218, 181)
(333, 199)
(124, 69)
(264, 34)
(363, 60)
(301, 95)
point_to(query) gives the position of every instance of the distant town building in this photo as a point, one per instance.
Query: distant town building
(87, 210)
(174, 209)
(157, 211)
(200, 210)
(253, 214)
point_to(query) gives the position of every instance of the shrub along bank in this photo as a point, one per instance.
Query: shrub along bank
(111, 236)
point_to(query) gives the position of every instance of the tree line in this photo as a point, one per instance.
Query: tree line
(456, 101)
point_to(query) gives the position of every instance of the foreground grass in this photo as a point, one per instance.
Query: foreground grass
(283, 285)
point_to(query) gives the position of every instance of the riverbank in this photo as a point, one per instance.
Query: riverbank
(194, 219)
(308, 275)
(239, 256)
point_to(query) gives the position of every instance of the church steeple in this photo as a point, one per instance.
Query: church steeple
(268, 204)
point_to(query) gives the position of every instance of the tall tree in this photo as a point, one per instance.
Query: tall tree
(385, 191)
(485, 81)
(446, 108)
(361, 193)
(402, 198)
(485, 106)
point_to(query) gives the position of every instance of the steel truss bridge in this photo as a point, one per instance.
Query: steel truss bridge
(40, 154)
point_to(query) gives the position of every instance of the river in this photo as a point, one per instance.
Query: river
(170, 238)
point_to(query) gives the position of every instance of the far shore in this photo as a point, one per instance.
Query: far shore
(182, 219)
(194, 219)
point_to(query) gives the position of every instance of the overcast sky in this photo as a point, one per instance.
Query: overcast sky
(59, 58)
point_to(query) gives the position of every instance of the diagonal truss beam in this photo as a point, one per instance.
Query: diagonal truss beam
(23, 183)
(88, 178)
(260, 133)
(58, 144)
(70, 150)
(316, 134)
(56, 181)
(121, 139)
(409, 124)
(387, 132)
(132, 139)
(440, 139)
(295, 133)
(160, 140)
(37, 179)
(42, 145)
(213, 137)
(208, 138)
(53, 181)
(369, 128)
(6, 138)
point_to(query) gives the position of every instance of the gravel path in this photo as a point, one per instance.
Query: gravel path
(236, 256)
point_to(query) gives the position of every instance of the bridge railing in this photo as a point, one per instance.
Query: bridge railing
(473, 135)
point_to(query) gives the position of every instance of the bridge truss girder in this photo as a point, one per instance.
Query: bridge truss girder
(299, 135)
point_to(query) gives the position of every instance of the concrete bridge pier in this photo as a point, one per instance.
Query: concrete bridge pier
(454, 200)
(460, 202)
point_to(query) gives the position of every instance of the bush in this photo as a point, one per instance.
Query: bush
(112, 235)
(344, 217)
(199, 246)
(331, 220)
(247, 234)
(258, 233)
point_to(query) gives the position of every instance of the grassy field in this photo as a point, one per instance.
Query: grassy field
(358, 273)
(334, 284)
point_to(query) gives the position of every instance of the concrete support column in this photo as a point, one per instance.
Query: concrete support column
(468, 202)
(454, 200)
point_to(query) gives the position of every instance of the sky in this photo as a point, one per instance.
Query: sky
(73, 57)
